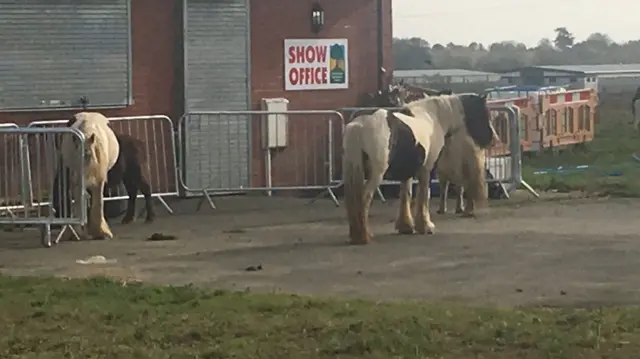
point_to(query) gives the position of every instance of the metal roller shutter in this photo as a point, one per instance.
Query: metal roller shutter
(216, 79)
(55, 52)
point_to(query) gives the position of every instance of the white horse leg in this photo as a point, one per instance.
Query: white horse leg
(444, 192)
(404, 220)
(370, 187)
(100, 227)
(469, 208)
(423, 218)
(460, 200)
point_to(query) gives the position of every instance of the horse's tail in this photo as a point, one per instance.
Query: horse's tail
(443, 164)
(353, 176)
(476, 187)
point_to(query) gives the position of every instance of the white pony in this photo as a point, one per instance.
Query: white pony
(403, 145)
(100, 155)
(452, 168)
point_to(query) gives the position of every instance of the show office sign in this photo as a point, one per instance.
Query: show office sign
(316, 64)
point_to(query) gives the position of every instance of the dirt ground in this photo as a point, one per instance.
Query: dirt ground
(523, 252)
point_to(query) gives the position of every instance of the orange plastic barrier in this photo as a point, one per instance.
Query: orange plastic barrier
(551, 120)
(529, 114)
(569, 117)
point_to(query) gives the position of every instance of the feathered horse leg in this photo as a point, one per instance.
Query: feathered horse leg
(404, 220)
(423, 217)
(460, 204)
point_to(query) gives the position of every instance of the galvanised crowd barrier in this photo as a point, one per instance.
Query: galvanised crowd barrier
(241, 151)
(27, 174)
(157, 134)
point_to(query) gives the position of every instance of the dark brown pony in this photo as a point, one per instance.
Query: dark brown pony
(128, 170)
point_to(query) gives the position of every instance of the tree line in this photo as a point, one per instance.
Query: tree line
(563, 49)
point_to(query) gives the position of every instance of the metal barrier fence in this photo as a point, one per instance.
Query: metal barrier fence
(220, 152)
(157, 134)
(12, 189)
(27, 149)
(242, 151)
(504, 160)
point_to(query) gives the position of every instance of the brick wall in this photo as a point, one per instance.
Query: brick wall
(271, 23)
(157, 72)
(356, 20)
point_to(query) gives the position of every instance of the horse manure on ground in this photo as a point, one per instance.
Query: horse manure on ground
(161, 237)
(254, 268)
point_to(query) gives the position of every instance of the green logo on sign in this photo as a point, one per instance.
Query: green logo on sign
(337, 64)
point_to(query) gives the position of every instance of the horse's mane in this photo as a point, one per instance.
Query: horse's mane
(427, 91)
(435, 103)
(445, 109)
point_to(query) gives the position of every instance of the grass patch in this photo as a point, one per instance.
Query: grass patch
(596, 182)
(100, 318)
(609, 153)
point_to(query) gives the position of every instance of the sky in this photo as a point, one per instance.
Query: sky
(526, 21)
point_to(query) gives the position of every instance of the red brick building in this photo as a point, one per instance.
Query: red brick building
(170, 57)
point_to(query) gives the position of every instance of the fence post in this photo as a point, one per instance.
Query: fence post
(516, 151)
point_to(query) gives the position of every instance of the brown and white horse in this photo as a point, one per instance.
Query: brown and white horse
(405, 144)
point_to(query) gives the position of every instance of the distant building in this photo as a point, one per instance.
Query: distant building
(444, 76)
(605, 78)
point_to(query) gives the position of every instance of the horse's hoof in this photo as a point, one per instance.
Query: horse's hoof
(149, 220)
(441, 211)
(104, 235)
(459, 210)
(405, 230)
(468, 215)
(360, 240)
(127, 220)
(426, 231)
(427, 228)
(404, 227)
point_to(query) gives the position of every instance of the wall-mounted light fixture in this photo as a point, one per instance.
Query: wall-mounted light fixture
(317, 17)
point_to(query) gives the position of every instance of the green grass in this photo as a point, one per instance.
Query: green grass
(611, 150)
(99, 318)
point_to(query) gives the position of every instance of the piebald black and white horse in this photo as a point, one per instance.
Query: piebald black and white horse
(405, 144)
